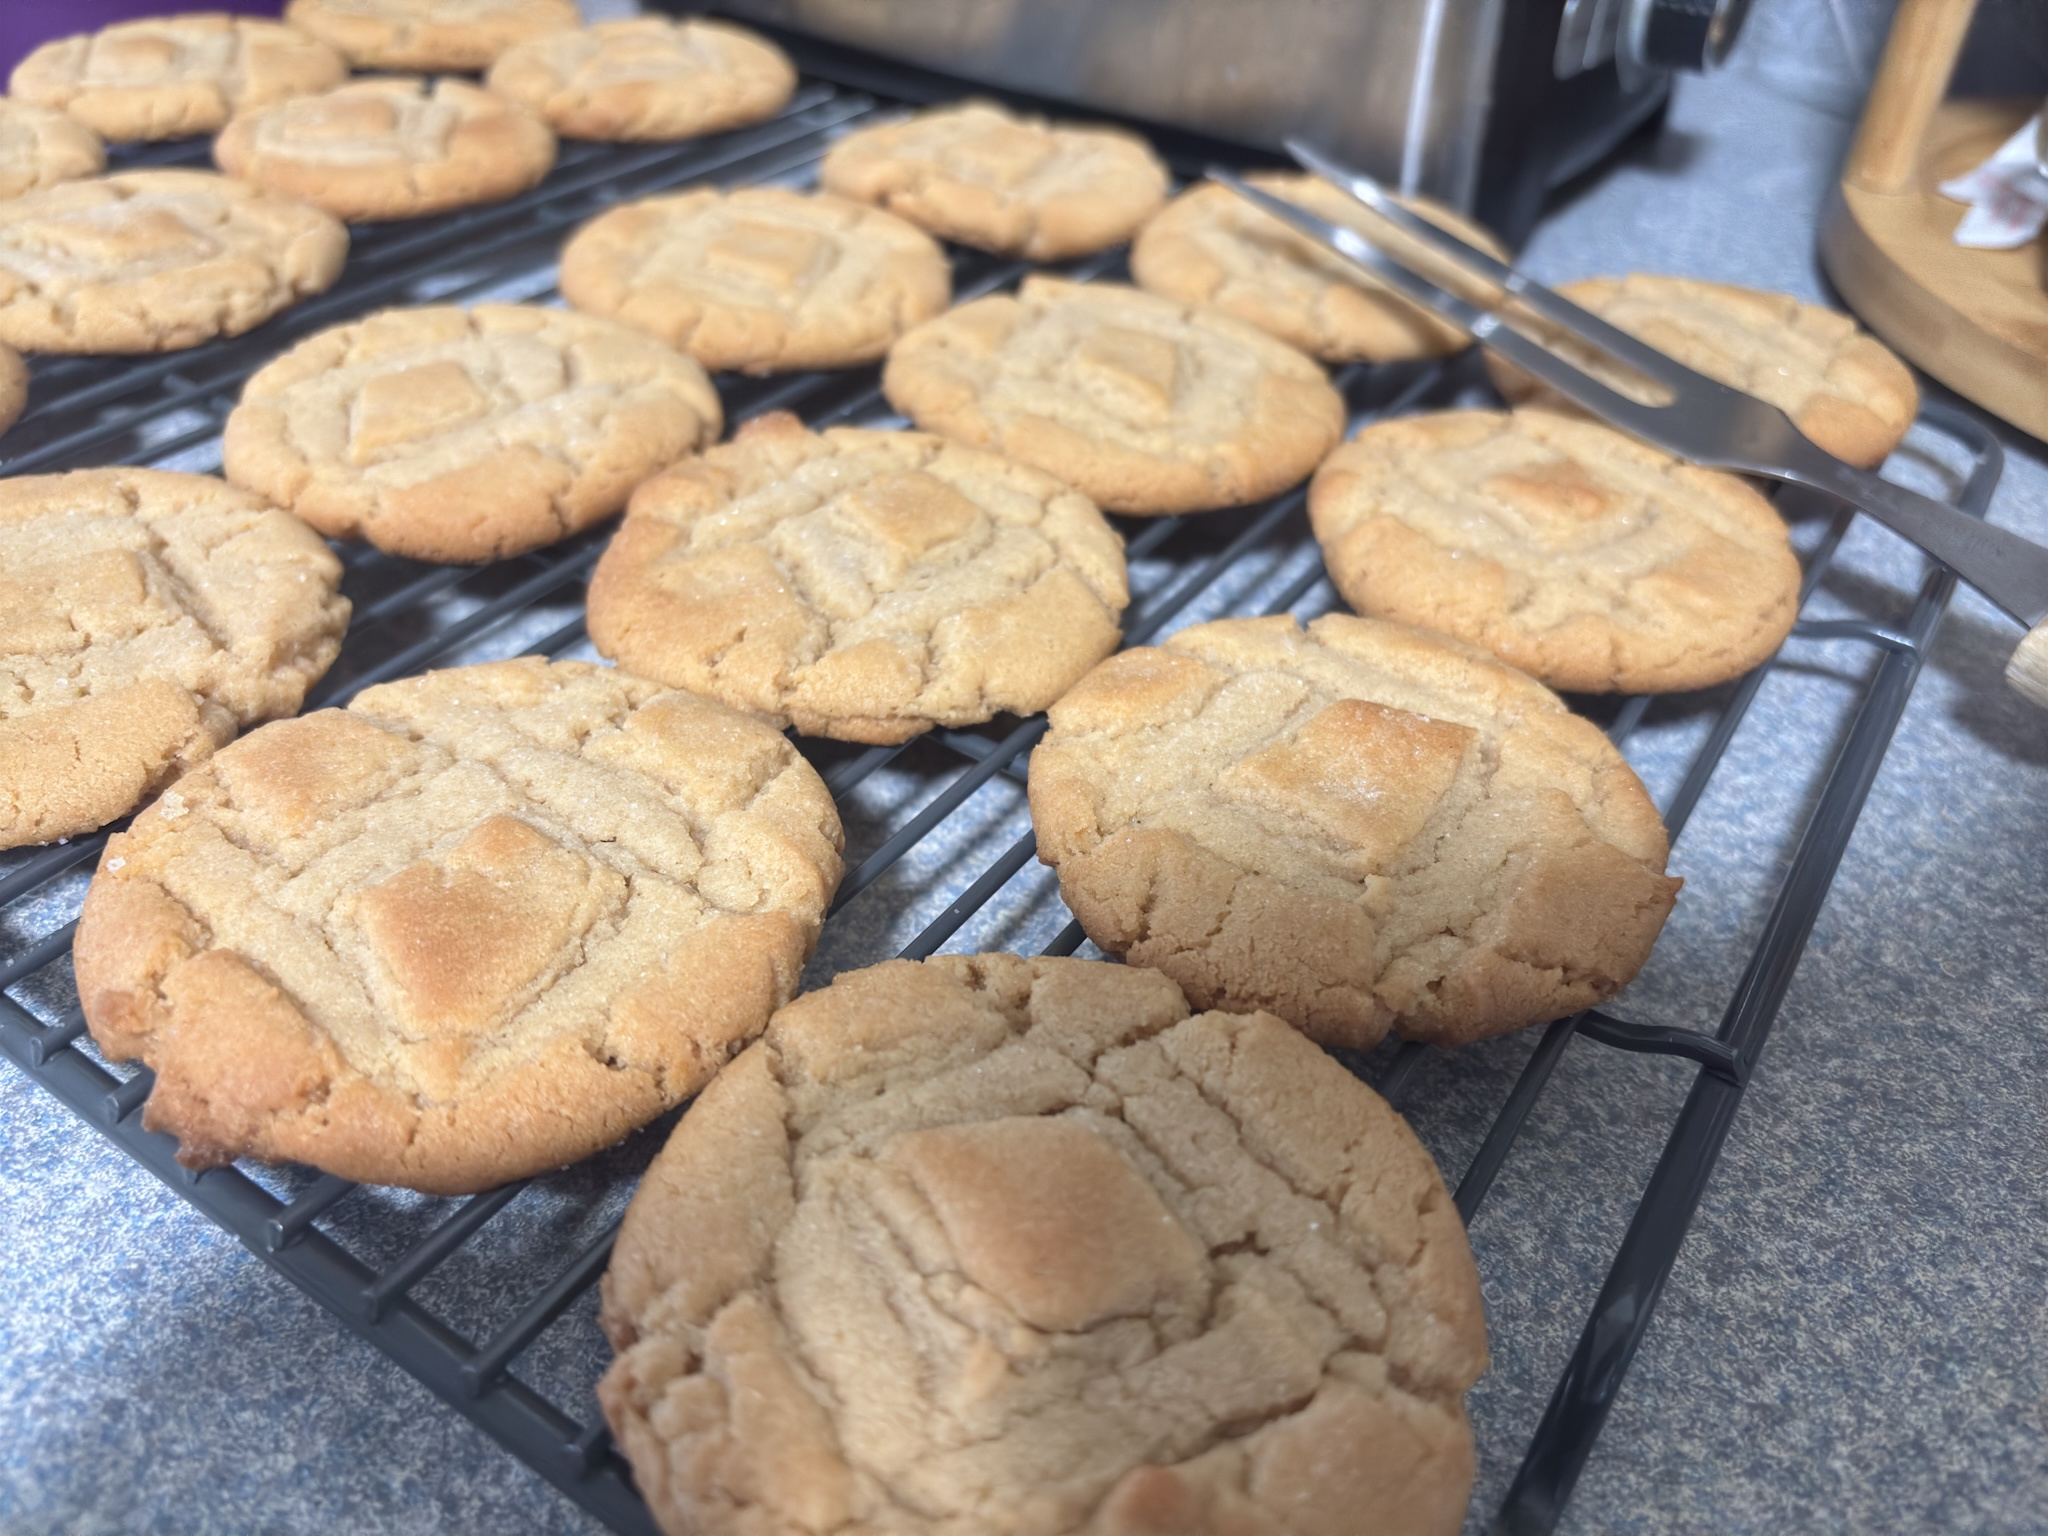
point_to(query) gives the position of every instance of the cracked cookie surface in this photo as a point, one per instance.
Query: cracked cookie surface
(760, 278)
(1357, 826)
(40, 146)
(1210, 246)
(647, 78)
(466, 434)
(151, 261)
(1142, 404)
(1019, 186)
(862, 585)
(1841, 386)
(170, 77)
(480, 923)
(429, 34)
(994, 1244)
(145, 618)
(391, 149)
(1568, 549)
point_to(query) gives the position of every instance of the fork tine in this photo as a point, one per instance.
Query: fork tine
(1548, 303)
(1484, 325)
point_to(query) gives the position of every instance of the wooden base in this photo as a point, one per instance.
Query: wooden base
(1976, 320)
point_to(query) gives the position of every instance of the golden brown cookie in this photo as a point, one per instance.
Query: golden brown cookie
(759, 278)
(40, 146)
(862, 585)
(1142, 404)
(1210, 246)
(1021, 186)
(647, 77)
(169, 77)
(991, 1244)
(1357, 826)
(477, 925)
(1568, 549)
(145, 617)
(150, 261)
(429, 35)
(1840, 386)
(466, 434)
(13, 385)
(391, 149)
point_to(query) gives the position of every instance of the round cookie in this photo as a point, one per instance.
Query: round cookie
(1210, 246)
(1358, 826)
(170, 77)
(150, 261)
(861, 585)
(391, 149)
(466, 434)
(1841, 387)
(647, 78)
(429, 35)
(760, 278)
(1019, 186)
(40, 146)
(477, 925)
(993, 1244)
(1570, 550)
(1141, 404)
(145, 617)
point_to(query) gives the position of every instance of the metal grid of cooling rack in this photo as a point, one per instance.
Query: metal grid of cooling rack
(403, 1274)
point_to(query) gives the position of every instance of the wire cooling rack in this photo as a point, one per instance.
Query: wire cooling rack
(489, 1301)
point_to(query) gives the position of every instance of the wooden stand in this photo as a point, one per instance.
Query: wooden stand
(1976, 320)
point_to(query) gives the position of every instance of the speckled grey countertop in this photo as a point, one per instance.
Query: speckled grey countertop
(1856, 1335)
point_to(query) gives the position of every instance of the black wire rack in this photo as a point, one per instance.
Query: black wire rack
(384, 1269)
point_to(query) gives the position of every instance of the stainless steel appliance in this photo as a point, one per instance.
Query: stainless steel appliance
(1485, 104)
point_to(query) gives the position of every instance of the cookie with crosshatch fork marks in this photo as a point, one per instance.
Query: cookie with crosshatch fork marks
(759, 278)
(1358, 826)
(150, 261)
(1021, 186)
(1142, 404)
(145, 618)
(993, 1244)
(862, 585)
(478, 924)
(165, 77)
(466, 434)
(390, 148)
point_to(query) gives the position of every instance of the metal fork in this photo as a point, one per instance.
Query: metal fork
(1705, 421)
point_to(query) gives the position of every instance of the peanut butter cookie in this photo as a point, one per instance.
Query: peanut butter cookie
(169, 77)
(145, 617)
(863, 585)
(1210, 246)
(1142, 404)
(759, 278)
(991, 1244)
(429, 35)
(150, 261)
(647, 78)
(478, 924)
(1357, 826)
(1570, 550)
(1016, 185)
(391, 149)
(1841, 387)
(40, 146)
(466, 434)
(13, 385)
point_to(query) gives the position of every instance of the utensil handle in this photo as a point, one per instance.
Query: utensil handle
(2010, 570)
(2028, 669)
